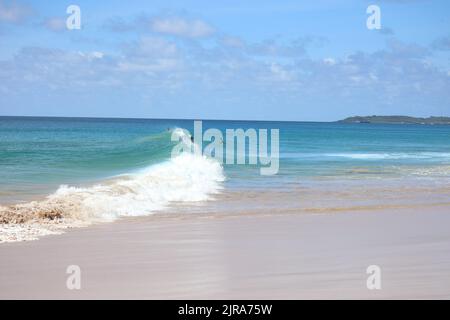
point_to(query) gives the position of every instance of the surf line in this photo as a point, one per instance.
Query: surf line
(232, 149)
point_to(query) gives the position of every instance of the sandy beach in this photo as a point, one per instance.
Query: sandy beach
(283, 256)
(230, 150)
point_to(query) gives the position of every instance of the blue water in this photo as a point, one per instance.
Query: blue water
(37, 155)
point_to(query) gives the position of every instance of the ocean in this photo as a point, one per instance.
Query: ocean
(84, 170)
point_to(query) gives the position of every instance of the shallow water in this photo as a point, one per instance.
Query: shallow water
(102, 169)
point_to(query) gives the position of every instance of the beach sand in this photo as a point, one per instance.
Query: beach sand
(282, 256)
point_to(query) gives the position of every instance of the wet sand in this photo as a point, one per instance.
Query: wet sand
(242, 257)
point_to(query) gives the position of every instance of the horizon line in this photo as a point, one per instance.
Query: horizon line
(135, 118)
(209, 119)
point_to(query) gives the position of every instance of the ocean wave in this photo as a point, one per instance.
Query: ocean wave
(391, 156)
(372, 156)
(185, 178)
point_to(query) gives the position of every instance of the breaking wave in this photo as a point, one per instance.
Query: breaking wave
(185, 178)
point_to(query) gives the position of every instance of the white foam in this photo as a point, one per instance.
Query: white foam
(185, 178)
(391, 156)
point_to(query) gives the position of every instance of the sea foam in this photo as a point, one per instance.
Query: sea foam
(185, 178)
(392, 156)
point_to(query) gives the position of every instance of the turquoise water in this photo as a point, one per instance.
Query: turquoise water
(37, 155)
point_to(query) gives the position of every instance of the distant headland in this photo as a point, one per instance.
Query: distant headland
(397, 120)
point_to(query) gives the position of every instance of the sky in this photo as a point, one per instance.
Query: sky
(225, 59)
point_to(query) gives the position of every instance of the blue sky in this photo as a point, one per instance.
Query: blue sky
(265, 60)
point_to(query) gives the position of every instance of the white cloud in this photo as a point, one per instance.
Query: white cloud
(97, 54)
(13, 13)
(55, 24)
(92, 55)
(442, 43)
(279, 73)
(150, 54)
(233, 42)
(329, 61)
(159, 66)
(182, 27)
(149, 49)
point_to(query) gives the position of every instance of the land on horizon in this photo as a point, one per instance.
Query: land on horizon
(432, 120)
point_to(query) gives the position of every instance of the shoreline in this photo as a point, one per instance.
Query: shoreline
(291, 256)
(238, 203)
